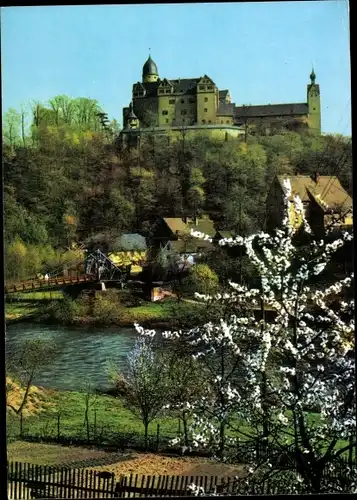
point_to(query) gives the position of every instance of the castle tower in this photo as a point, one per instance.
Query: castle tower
(313, 102)
(132, 119)
(150, 72)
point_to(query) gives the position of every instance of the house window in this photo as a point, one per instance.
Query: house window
(201, 87)
(203, 121)
(135, 94)
(209, 87)
(205, 110)
(167, 120)
(168, 91)
(209, 121)
(221, 121)
(165, 112)
(183, 111)
(182, 101)
(172, 101)
(206, 99)
(227, 121)
(192, 101)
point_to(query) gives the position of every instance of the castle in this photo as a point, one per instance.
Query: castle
(197, 105)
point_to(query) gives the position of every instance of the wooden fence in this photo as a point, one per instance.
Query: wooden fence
(27, 481)
(168, 486)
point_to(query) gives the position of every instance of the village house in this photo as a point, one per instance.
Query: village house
(174, 234)
(129, 249)
(326, 203)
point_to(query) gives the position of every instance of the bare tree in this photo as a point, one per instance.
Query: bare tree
(26, 362)
(144, 389)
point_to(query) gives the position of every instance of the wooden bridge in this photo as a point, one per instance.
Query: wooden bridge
(97, 268)
(51, 283)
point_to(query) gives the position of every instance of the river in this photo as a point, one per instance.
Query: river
(83, 353)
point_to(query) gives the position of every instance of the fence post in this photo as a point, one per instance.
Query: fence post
(157, 437)
(58, 426)
(21, 424)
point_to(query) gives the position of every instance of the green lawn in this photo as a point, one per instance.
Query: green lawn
(109, 414)
(21, 305)
(108, 411)
(168, 311)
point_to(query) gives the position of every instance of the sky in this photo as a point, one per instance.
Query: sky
(262, 52)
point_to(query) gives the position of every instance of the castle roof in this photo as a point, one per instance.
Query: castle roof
(185, 85)
(225, 109)
(150, 68)
(271, 110)
(181, 86)
(223, 94)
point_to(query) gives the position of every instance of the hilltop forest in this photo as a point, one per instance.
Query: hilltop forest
(66, 180)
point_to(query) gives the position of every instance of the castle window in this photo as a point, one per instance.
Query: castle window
(165, 112)
(206, 99)
(183, 111)
(172, 101)
(205, 110)
(201, 87)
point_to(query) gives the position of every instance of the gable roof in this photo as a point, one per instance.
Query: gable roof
(271, 110)
(205, 226)
(327, 192)
(175, 224)
(129, 242)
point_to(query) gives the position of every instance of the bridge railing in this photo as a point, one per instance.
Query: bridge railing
(50, 282)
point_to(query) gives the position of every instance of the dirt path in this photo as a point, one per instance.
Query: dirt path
(155, 464)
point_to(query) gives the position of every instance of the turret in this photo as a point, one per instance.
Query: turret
(132, 120)
(150, 71)
(313, 102)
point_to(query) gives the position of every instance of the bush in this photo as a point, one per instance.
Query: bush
(65, 310)
(107, 307)
(201, 280)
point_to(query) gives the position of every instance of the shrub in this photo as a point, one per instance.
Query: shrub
(201, 280)
(107, 306)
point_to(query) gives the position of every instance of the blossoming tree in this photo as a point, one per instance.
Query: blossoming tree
(290, 382)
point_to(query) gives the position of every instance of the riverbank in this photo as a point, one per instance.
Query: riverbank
(115, 308)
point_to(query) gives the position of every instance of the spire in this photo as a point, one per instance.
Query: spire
(312, 76)
(131, 113)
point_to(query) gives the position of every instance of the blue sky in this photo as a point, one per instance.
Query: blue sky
(261, 52)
